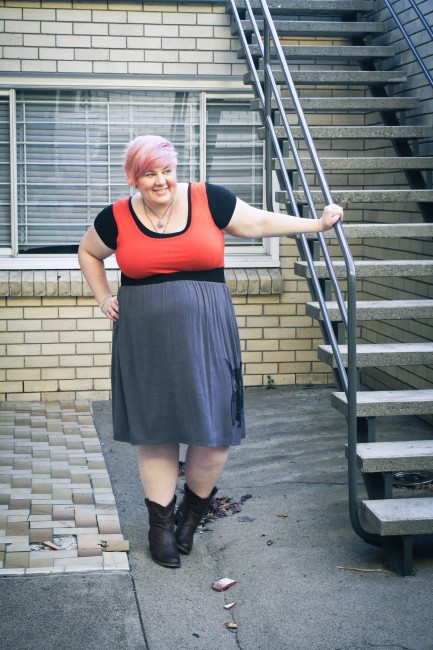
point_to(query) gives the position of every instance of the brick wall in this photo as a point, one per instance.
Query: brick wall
(117, 38)
(54, 341)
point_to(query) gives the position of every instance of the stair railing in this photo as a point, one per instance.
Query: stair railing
(349, 379)
(407, 37)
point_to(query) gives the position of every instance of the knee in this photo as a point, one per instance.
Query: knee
(210, 458)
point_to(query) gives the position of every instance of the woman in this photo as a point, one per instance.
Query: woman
(176, 362)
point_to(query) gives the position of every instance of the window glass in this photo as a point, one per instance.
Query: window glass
(5, 179)
(234, 154)
(70, 149)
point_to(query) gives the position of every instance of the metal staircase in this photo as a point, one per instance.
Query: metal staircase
(328, 81)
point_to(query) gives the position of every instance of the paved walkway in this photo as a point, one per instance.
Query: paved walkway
(304, 580)
(57, 508)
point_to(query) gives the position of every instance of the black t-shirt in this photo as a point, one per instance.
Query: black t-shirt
(221, 201)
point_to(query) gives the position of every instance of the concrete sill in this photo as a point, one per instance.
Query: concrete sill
(70, 283)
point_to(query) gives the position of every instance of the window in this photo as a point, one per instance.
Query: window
(234, 156)
(69, 144)
(5, 176)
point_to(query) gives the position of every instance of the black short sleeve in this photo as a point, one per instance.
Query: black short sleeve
(222, 204)
(106, 227)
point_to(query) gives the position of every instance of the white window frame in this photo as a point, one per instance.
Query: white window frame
(236, 256)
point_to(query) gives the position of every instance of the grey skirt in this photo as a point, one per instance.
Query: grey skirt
(176, 366)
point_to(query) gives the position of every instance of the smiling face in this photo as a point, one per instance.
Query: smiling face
(158, 186)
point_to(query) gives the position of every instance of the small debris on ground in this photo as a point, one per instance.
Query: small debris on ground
(413, 480)
(231, 626)
(229, 605)
(245, 518)
(222, 507)
(270, 542)
(283, 515)
(223, 583)
(51, 546)
(63, 543)
(353, 568)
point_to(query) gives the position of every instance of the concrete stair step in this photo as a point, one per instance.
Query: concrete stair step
(316, 7)
(371, 268)
(362, 196)
(361, 230)
(345, 104)
(397, 456)
(354, 132)
(315, 28)
(333, 77)
(328, 52)
(388, 163)
(378, 230)
(382, 403)
(372, 355)
(376, 310)
(387, 517)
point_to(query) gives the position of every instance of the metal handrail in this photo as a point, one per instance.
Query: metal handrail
(407, 37)
(348, 379)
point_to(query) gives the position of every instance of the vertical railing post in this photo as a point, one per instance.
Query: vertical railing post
(268, 110)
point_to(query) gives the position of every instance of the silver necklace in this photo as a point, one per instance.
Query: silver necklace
(170, 207)
(160, 223)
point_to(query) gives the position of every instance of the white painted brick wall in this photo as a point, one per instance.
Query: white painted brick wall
(58, 346)
(117, 38)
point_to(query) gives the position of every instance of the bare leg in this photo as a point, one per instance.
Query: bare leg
(159, 470)
(203, 467)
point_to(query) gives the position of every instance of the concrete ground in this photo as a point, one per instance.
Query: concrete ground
(304, 580)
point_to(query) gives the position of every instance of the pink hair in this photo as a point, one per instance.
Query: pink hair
(147, 152)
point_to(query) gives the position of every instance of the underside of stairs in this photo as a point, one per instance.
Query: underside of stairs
(371, 161)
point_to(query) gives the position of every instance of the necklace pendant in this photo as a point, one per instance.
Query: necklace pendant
(160, 224)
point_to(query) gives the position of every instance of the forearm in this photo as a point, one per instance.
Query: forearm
(94, 272)
(278, 224)
(250, 222)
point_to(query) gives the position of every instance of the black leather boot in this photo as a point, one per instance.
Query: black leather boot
(162, 544)
(188, 516)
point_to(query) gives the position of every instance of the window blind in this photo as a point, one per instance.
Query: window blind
(234, 154)
(70, 147)
(5, 178)
(70, 155)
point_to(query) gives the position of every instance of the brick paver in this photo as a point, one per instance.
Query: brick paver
(57, 508)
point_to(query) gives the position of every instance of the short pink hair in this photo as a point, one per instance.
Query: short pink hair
(147, 152)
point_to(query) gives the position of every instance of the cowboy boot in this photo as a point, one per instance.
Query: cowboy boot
(188, 516)
(162, 544)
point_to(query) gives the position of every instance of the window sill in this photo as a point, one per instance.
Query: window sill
(70, 282)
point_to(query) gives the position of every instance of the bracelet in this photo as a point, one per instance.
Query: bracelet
(104, 302)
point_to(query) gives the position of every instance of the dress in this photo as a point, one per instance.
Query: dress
(176, 360)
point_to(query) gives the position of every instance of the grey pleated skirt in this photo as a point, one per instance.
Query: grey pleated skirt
(176, 366)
